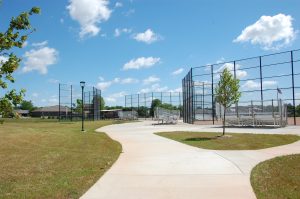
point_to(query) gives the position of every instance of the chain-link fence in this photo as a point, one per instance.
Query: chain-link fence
(264, 81)
(75, 103)
(144, 103)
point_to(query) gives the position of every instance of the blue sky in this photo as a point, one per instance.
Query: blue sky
(133, 46)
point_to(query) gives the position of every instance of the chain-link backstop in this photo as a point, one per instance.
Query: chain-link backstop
(142, 102)
(73, 102)
(264, 82)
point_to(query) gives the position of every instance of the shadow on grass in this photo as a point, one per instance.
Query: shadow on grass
(201, 139)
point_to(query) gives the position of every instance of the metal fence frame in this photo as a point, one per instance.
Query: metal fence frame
(136, 101)
(68, 94)
(191, 83)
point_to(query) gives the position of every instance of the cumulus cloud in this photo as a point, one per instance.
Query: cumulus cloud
(103, 85)
(53, 81)
(89, 14)
(115, 97)
(142, 62)
(39, 59)
(270, 32)
(154, 88)
(176, 90)
(230, 66)
(40, 44)
(119, 32)
(129, 81)
(178, 71)
(151, 79)
(118, 5)
(147, 37)
(250, 84)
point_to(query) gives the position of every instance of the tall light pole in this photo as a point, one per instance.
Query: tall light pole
(82, 84)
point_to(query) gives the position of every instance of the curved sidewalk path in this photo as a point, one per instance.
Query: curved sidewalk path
(153, 167)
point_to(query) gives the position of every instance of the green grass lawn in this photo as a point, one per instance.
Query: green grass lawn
(278, 178)
(236, 141)
(48, 159)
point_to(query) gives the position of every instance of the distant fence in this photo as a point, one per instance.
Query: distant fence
(141, 102)
(263, 81)
(70, 103)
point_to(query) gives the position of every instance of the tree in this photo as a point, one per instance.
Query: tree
(27, 105)
(155, 103)
(227, 92)
(142, 111)
(14, 37)
(101, 102)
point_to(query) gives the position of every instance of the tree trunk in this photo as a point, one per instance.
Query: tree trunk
(224, 120)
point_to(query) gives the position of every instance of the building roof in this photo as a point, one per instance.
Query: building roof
(22, 111)
(111, 110)
(53, 109)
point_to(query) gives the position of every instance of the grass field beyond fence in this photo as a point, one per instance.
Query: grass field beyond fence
(233, 141)
(48, 159)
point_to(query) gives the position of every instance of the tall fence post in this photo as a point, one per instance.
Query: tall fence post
(212, 93)
(71, 103)
(261, 85)
(293, 87)
(59, 101)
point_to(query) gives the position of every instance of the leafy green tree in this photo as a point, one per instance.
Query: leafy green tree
(27, 105)
(155, 103)
(227, 92)
(14, 37)
(78, 106)
(101, 102)
(142, 111)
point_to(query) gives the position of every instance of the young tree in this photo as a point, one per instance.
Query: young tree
(155, 103)
(27, 105)
(15, 36)
(227, 92)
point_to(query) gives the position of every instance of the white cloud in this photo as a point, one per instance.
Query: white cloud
(154, 88)
(129, 81)
(3, 59)
(25, 44)
(61, 20)
(35, 95)
(250, 84)
(129, 12)
(270, 32)
(142, 62)
(119, 32)
(118, 5)
(101, 78)
(151, 79)
(40, 44)
(230, 66)
(110, 99)
(176, 90)
(113, 98)
(104, 85)
(53, 81)
(148, 36)
(269, 83)
(178, 71)
(39, 59)
(89, 13)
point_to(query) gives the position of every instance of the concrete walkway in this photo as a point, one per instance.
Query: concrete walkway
(159, 168)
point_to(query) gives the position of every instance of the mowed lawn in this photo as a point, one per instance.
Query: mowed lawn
(48, 159)
(278, 178)
(233, 141)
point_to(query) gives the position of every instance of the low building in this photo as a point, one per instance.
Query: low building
(22, 113)
(51, 111)
(110, 114)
